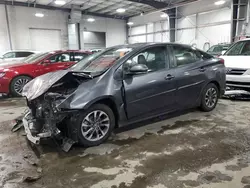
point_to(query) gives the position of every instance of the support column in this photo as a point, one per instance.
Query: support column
(8, 26)
(172, 23)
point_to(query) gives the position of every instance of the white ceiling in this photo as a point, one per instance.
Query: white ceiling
(106, 7)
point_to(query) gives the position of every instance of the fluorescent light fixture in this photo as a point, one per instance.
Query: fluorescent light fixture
(130, 23)
(40, 15)
(90, 19)
(220, 2)
(164, 15)
(60, 2)
(120, 10)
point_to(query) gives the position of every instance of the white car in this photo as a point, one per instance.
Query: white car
(237, 62)
(15, 55)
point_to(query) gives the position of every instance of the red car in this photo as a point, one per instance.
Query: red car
(13, 77)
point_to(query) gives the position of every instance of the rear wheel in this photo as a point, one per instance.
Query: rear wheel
(17, 84)
(95, 125)
(210, 97)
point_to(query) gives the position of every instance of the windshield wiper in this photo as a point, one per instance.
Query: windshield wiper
(82, 74)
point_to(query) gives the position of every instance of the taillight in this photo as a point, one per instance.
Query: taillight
(222, 61)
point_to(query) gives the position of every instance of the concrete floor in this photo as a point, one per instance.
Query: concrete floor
(190, 149)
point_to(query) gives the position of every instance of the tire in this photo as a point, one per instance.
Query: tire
(209, 99)
(87, 127)
(17, 84)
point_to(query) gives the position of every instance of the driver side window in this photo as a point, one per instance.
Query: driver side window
(154, 58)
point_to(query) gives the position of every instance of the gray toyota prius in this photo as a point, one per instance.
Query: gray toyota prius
(119, 86)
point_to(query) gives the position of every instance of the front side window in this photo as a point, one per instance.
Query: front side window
(185, 55)
(64, 57)
(239, 48)
(9, 55)
(154, 58)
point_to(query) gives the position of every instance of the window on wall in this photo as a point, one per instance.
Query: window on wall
(185, 55)
(154, 58)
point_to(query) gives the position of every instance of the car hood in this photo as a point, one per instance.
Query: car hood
(42, 84)
(237, 61)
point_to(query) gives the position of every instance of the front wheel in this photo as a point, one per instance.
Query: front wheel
(95, 125)
(209, 98)
(17, 84)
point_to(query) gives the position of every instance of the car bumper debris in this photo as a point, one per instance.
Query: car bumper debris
(45, 120)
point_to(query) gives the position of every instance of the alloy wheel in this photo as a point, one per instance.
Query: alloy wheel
(95, 125)
(19, 84)
(211, 97)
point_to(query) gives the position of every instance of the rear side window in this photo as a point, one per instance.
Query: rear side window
(203, 55)
(184, 55)
(79, 56)
(23, 54)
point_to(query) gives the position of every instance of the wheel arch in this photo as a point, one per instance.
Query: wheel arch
(18, 76)
(217, 85)
(108, 101)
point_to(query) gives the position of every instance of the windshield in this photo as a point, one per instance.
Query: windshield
(239, 48)
(101, 61)
(35, 57)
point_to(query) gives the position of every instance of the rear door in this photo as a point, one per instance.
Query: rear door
(153, 92)
(189, 74)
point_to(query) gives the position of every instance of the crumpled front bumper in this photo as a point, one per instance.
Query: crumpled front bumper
(28, 122)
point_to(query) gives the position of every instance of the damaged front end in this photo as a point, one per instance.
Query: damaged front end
(45, 120)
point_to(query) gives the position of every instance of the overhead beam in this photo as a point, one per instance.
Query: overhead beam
(152, 3)
(25, 4)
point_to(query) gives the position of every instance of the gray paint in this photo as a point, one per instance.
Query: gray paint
(143, 96)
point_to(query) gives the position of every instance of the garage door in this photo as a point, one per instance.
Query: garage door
(45, 39)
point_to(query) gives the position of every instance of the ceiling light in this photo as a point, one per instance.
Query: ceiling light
(120, 10)
(220, 2)
(130, 23)
(164, 15)
(40, 15)
(90, 19)
(60, 2)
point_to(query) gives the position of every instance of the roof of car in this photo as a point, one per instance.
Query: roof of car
(244, 39)
(83, 51)
(141, 45)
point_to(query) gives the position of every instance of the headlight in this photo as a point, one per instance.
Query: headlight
(2, 74)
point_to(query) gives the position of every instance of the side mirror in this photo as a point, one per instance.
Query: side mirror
(138, 69)
(46, 62)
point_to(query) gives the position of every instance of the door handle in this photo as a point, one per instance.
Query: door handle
(169, 77)
(202, 69)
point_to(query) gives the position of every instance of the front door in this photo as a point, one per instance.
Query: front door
(190, 75)
(61, 61)
(152, 92)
